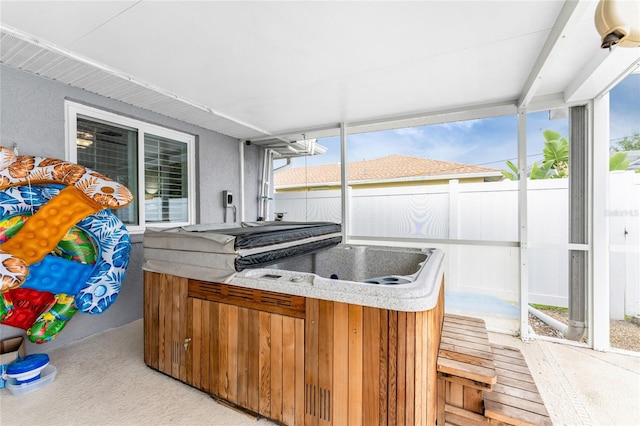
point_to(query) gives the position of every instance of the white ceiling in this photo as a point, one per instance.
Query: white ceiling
(258, 69)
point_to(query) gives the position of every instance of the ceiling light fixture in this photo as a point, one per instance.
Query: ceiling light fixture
(618, 23)
(84, 139)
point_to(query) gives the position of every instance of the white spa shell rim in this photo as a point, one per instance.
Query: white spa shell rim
(420, 294)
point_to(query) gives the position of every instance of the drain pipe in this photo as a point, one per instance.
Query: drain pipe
(264, 185)
(551, 322)
(284, 166)
(241, 145)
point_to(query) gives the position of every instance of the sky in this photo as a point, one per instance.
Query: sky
(487, 142)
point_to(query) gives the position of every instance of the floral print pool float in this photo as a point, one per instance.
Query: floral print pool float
(62, 250)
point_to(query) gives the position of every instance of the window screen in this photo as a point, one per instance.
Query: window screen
(165, 174)
(112, 151)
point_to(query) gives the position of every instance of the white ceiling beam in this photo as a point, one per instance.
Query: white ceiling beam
(568, 18)
(604, 71)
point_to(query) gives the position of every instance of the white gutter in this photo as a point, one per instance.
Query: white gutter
(284, 166)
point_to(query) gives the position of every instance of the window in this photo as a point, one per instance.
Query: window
(155, 163)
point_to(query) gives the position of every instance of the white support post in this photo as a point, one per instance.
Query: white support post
(599, 288)
(453, 280)
(345, 182)
(522, 222)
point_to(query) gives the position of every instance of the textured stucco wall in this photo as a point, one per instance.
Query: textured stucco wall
(32, 116)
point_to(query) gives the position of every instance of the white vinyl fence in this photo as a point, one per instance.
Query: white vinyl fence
(484, 216)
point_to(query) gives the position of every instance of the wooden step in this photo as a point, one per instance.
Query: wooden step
(465, 351)
(466, 371)
(514, 400)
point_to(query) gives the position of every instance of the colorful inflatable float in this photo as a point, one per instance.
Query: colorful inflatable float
(62, 250)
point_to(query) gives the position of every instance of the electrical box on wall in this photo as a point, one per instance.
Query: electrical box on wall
(227, 198)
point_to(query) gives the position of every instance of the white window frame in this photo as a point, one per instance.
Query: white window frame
(73, 110)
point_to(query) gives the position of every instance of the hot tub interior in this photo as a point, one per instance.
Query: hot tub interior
(373, 264)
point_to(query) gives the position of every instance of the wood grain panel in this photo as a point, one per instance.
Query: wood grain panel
(300, 371)
(435, 322)
(410, 368)
(276, 367)
(265, 364)
(340, 362)
(355, 365)
(455, 394)
(151, 318)
(311, 362)
(472, 399)
(197, 341)
(441, 402)
(383, 370)
(420, 371)
(176, 341)
(189, 343)
(392, 373)
(206, 355)
(148, 321)
(231, 375)
(371, 365)
(183, 344)
(325, 361)
(401, 368)
(288, 370)
(223, 360)
(211, 359)
(243, 357)
(164, 331)
(253, 379)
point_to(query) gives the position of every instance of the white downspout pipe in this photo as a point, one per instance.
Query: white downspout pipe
(264, 195)
(550, 321)
(241, 190)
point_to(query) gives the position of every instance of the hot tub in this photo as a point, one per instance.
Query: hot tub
(347, 334)
(404, 279)
(304, 259)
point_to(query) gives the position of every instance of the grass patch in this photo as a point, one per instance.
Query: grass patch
(549, 308)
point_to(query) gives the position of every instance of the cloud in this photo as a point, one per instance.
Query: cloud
(463, 125)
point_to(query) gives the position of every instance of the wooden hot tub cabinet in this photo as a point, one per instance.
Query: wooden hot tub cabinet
(293, 359)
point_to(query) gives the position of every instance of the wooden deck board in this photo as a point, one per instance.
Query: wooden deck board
(514, 415)
(471, 372)
(464, 337)
(514, 399)
(445, 346)
(514, 361)
(515, 383)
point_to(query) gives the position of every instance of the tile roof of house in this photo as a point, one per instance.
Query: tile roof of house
(381, 169)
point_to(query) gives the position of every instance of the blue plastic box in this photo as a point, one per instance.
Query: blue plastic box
(10, 350)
